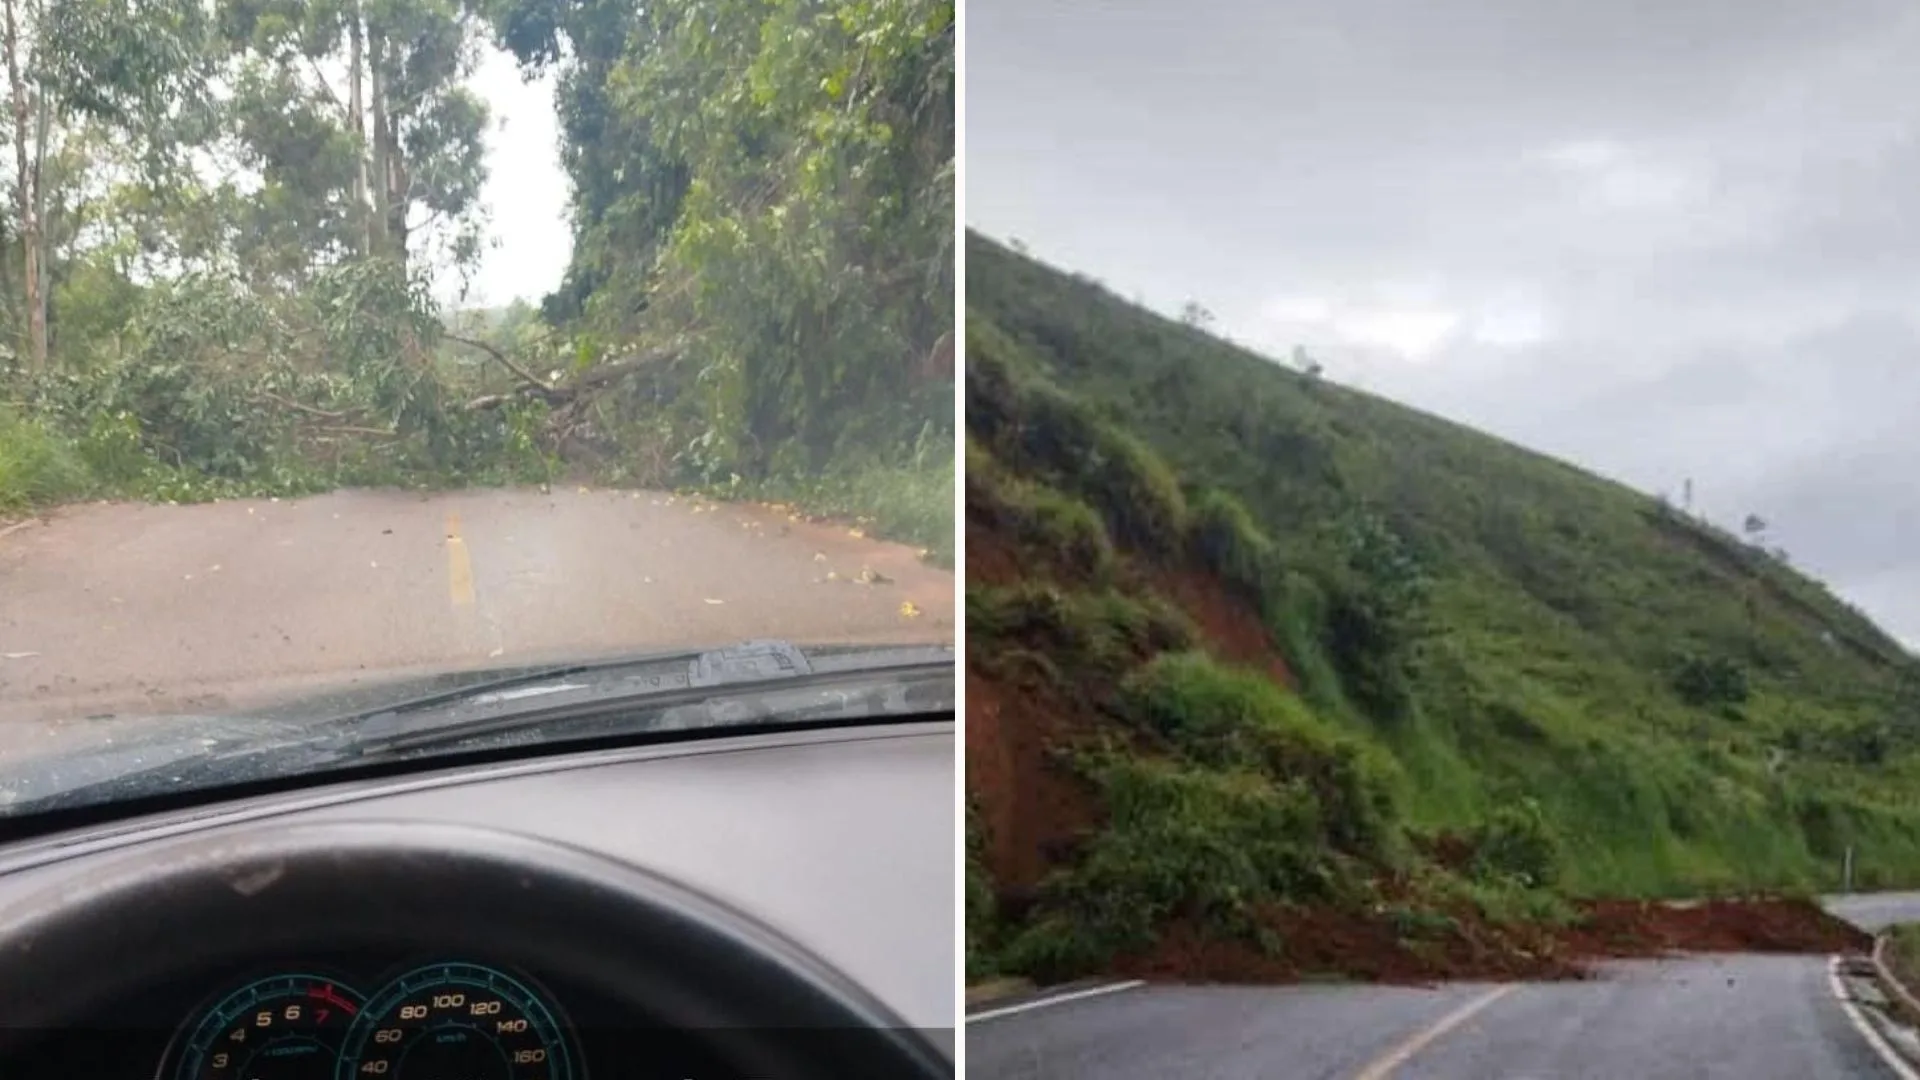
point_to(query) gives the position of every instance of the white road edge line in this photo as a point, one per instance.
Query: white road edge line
(1091, 991)
(1861, 1024)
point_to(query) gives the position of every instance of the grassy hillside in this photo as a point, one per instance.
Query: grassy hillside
(1304, 637)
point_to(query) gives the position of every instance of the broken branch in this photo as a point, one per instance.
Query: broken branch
(308, 409)
(504, 359)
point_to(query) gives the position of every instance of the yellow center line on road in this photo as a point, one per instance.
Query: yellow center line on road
(459, 565)
(1383, 1066)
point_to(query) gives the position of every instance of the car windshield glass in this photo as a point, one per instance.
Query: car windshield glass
(354, 353)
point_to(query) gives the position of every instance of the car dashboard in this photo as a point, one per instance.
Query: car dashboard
(769, 905)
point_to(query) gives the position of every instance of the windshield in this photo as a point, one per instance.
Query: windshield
(349, 348)
(1440, 490)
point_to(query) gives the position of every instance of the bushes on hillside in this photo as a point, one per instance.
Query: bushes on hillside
(1710, 680)
(1095, 635)
(1035, 427)
(1376, 601)
(980, 898)
(1515, 844)
(1037, 519)
(1226, 718)
(1226, 541)
(1205, 844)
(1257, 803)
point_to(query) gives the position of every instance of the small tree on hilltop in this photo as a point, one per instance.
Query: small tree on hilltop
(1195, 314)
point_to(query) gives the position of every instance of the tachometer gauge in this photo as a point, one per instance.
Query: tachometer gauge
(458, 1022)
(286, 1027)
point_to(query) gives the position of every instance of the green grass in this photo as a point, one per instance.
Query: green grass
(1092, 635)
(1688, 713)
(37, 466)
(1209, 844)
(910, 504)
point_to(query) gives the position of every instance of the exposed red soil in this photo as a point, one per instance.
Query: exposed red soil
(1033, 811)
(1232, 630)
(990, 562)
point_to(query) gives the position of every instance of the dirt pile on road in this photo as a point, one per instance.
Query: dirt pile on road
(1763, 924)
(1309, 944)
(1305, 944)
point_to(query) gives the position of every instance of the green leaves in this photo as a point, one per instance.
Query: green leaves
(763, 171)
(125, 61)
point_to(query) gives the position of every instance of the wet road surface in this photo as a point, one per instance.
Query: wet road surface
(1738, 1017)
(1875, 911)
(142, 609)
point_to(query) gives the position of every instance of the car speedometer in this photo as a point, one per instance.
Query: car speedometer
(459, 1021)
(284, 1027)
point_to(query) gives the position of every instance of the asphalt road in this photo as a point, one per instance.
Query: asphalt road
(1874, 911)
(1739, 1017)
(141, 609)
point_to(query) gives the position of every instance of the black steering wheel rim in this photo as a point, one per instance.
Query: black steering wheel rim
(648, 944)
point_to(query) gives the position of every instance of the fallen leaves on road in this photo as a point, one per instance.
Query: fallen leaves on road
(710, 600)
(857, 534)
(909, 609)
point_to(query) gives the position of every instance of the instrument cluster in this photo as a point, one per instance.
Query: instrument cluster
(437, 1020)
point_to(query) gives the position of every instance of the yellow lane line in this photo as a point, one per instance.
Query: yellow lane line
(1383, 1066)
(459, 565)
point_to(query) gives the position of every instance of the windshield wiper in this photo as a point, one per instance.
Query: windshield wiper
(466, 691)
(768, 681)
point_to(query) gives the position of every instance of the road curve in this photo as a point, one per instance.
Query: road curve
(1740, 1017)
(1875, 911)
(147, 608)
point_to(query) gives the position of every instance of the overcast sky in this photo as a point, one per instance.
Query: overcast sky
(525, 193)
(1663, 240)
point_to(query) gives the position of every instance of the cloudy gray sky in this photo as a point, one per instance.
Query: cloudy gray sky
(525, 193)
(1663, 240)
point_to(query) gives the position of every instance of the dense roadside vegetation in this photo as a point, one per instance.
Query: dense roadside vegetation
(1903, 953)
(1260, 662)
(231, 225)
